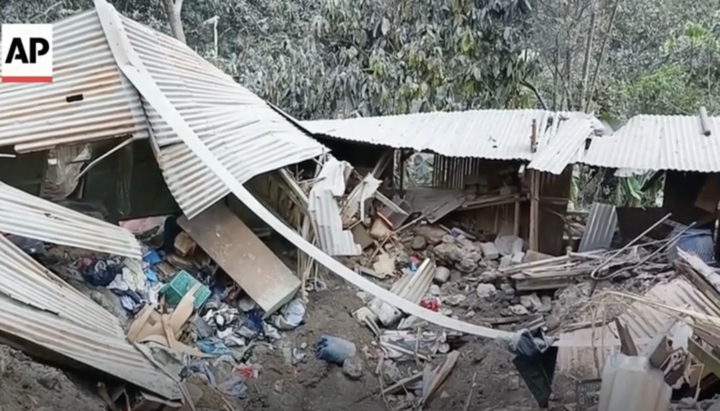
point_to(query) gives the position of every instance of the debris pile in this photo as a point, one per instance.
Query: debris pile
(210, 290)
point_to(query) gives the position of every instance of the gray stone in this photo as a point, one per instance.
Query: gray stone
(508, 290)
(517, 258)
(505, 261)
(454, 300)
(518, 310)
(489, 251)
(353, 368)
(418, 243)
(532, 302)
(486, 290)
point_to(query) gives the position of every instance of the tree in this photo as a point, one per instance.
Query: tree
(173, 11)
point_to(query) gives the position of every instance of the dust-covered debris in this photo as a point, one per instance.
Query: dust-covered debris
(27, 385)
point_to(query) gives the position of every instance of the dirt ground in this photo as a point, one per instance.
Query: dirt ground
(26, 385)
(484, 374)
(315, 385)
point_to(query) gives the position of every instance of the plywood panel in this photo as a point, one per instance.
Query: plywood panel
(243, 256)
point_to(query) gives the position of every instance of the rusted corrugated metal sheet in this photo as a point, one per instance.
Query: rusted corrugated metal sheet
(88, 99)
(649, 142)
(28, 216)
(325, 210)
(486, 134)
(600, 228)
(246, 134)
(39, 307)
(642, 321)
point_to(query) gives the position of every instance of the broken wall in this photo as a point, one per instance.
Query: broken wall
(362, 156)
(25, 172)
(487, 176)
(128, 183)
(554, 195)
(681, 191)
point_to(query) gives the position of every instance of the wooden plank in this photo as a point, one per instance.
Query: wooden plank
(243, 256)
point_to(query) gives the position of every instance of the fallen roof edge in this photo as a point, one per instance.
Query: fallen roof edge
(135, 72)
(26, 215)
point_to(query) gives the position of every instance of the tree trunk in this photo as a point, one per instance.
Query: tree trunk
(173, 9)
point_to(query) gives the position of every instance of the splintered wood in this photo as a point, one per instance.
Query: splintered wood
(551, 273)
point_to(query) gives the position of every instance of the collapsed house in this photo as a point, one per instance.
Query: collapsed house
(672, 325)
(163, 122)
(679, 150)
(501, 171)
(121, 85)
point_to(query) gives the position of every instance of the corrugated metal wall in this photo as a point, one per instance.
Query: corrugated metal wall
(453, 172)
(88, 99)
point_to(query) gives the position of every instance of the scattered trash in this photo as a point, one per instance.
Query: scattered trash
(291, 316)
(334, 350)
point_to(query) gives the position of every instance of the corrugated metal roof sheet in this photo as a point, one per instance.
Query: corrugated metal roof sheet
(37, 306)
(492, 134)
(642, 321)
(26, 215)
(649, 142)
(246, 134)
(489, 134)
(325, 211)
(565, 143)
(39, 116)
(600, 228)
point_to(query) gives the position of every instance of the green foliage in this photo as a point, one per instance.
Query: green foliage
(408, 55)
(330, 58)
(682, 79)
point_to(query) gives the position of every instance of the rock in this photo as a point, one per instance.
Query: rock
(448, 239)
(391, 373)
(454, 300)
(402, 260)
(519, 310)
(532, 302)
(447, 252)
(486, 290)
(467, 265)
(278, 386)
(508, 290)
(463, 259)
(418, 243)
(489, 251)
(517, 258)
(505, 261)
(442, 274)
(489, 276)
(433, 234)
(48, 381)
(479, 355)
(353, 368)
(505, 244)
(513, 383)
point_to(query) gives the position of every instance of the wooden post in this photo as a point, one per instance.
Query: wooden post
(534, 209)
(534, 195)
(516, 220)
